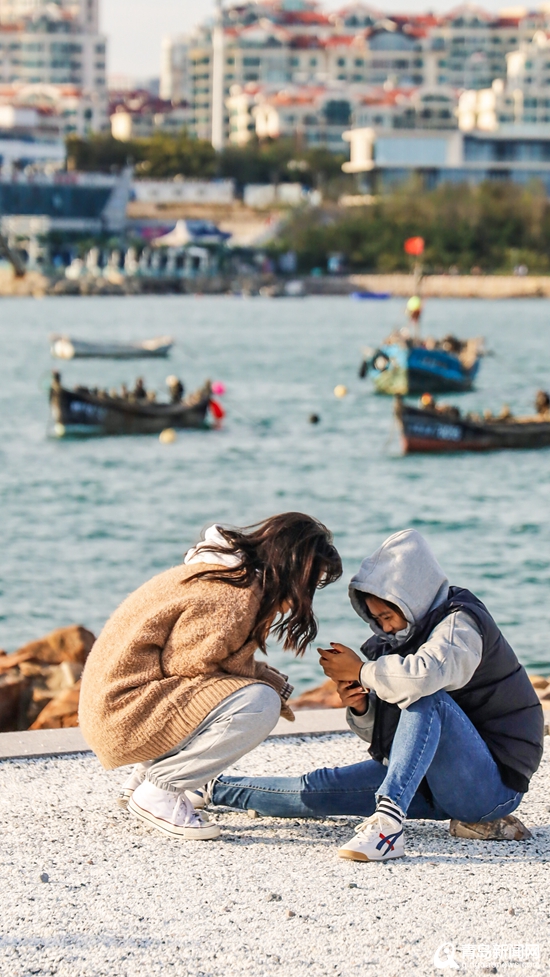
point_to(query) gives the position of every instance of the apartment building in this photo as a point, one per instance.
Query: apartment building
(139, 115)
(522, 99)
(472, 45)
(314, 117)
(71, 110)
(56, 44)
(279, 43)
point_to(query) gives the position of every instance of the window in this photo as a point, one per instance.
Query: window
(313, 62)
(251, 62)
(359, 62)
(341, 62)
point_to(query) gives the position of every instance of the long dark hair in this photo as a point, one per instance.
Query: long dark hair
(290, 556)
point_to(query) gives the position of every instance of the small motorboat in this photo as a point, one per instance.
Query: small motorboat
(445, 429)
(66, 348)
(405, 365)
(360, 296)
(82, 412)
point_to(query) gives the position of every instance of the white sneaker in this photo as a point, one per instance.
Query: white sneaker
(136, 778)
(198, 798)
(376, 840)
(173, 814)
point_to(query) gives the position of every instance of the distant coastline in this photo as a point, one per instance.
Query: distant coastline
(400, 285)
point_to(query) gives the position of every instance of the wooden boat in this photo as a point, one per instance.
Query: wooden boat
(83, 412)
(411, 366)
(443, 430)
(66, 348)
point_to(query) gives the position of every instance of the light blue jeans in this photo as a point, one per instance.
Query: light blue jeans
(434, 739)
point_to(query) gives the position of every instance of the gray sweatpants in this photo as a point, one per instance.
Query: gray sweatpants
(235, 727)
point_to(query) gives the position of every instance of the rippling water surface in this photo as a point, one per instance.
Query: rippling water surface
(85, 522)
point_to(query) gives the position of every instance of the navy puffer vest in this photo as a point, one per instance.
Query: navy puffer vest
(499, 699)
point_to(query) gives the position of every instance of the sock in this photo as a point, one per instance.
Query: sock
(390, 810)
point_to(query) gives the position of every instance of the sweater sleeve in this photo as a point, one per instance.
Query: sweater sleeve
(363, 725)
(210, 631)
(446, 661)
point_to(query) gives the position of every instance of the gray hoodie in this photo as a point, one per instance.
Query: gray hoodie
(405, 572)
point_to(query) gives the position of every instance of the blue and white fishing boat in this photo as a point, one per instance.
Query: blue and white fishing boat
(404, 365)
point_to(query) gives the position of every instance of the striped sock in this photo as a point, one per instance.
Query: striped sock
(390, 810)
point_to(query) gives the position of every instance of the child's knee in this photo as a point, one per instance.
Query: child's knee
(265, 703)
(426, 703)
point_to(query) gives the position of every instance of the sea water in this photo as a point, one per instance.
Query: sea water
(84, 522)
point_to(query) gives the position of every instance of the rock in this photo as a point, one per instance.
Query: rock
(539, 682)
(512, 912)
(44, 877)
(39, 683)
(61, 712)
(71, 644)
(274, 897)
(324, 696)
(12, 691)
(290, 913)
(509, 828)
(352, 885)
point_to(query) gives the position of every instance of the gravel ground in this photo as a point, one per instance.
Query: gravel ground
(87, 892)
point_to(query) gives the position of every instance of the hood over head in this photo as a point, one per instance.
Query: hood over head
(202, 552)
(404, 572)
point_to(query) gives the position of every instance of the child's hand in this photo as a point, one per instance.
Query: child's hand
(340, 663)
(353, 697)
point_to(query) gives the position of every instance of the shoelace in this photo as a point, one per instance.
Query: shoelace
(190, 818)
(366, 824)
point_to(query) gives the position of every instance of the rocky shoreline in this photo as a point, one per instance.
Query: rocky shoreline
(38, 285)
(40, 683)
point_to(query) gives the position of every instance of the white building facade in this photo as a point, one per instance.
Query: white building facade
(56, 45)
(279, 43)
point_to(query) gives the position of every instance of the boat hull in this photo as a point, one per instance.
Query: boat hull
(64, 348)
(79, 414)
(417, 370)
(432, 431)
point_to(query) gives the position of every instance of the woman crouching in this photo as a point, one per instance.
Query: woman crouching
(172, 684)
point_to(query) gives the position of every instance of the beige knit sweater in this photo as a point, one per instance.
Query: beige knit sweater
(173, 650)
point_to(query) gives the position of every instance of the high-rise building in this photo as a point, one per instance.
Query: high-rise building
(56, 44)
(273, 44)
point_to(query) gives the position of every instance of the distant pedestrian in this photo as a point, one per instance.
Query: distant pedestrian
(172, 684)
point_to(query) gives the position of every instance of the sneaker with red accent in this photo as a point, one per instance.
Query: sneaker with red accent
(376, 840)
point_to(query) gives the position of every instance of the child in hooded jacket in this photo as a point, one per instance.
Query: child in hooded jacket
(454, 725)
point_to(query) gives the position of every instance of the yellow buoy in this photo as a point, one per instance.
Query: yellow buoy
(340, 390)
(168, 436)
(59, 430)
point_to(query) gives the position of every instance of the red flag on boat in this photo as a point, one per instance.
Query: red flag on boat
(414, 245)
(217, 410)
